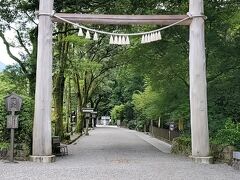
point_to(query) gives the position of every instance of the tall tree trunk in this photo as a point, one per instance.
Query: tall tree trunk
(80, 116)
(58, 103)
(32, 84)
(33, 62)
(68, 98)
(59, 84)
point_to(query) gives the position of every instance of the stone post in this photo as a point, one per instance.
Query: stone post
(87, 125)
(92, 122)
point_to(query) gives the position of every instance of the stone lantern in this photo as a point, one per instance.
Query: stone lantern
(87, 112)
(94, 115)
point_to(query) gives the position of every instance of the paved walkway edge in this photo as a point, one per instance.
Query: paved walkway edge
(160, 145)
(75, 138)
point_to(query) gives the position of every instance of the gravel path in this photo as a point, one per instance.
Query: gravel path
(112, 153)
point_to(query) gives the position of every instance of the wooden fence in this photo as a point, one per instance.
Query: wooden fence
(164, 134)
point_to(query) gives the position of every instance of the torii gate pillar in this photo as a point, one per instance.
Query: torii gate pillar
(198, 85)
(42, 137)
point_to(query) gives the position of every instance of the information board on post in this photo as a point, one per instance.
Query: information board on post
(13, 104)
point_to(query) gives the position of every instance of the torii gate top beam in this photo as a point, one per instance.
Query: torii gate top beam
(123, 19)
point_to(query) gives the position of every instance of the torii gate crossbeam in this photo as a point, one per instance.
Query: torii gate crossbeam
(122, 19)
(42, 148)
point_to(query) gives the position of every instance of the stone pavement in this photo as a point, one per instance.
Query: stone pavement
(111, 153)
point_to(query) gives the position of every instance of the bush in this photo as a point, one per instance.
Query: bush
(117, 112)
(140, 126)
(131, 125)
(182, 145)
(4, 146)
(230, 135)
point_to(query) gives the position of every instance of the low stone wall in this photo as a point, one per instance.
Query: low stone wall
(21, 152)
(236, 160)
(220, 153)
(3, 153)
(236, 164)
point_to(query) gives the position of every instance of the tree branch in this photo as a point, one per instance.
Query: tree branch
(210, 79)
(7, 44)
(180, 77)
(21, 41)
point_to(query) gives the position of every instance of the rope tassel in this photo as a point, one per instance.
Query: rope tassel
(115, 40)
(88, 35)
(151, 37)
(155, 36)
(80, 32)
(159, 36)
(119, 40)
(95, 37)
(127, 40)
(146, 38)
(123, 40)
(111, 40)
(143, 39)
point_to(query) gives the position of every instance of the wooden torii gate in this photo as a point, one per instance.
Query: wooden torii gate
(42, 148)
